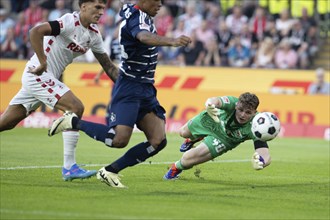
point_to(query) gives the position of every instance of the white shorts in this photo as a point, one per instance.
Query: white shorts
(37, 90)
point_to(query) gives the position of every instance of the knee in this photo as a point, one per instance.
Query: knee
(181, 132)
(119, 143)
(78, 108)
(158, 143)
(184, 132)
(160, 146)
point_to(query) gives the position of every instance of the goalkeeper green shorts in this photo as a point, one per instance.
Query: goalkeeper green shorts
(203, 126)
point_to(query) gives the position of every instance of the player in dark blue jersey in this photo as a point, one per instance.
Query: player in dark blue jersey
(134, 98)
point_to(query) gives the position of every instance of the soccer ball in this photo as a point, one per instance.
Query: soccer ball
(265, 126)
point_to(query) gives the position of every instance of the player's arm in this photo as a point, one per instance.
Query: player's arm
(261, 157)
(212, 106)
(152, 39)
(108, 66)
(37, 34)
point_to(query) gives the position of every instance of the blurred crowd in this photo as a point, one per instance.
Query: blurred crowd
(238, 33)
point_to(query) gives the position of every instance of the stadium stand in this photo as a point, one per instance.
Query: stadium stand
(304, 23)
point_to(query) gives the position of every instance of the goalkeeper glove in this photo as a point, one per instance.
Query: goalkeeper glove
(212, 111)
(257, 161)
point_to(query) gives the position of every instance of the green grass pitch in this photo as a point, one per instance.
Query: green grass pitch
(294, 186)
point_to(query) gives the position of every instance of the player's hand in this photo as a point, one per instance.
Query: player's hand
(182, 41)
(38, 70)
(213, 112)
(257, 161)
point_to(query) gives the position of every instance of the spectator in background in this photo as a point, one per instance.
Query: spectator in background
(19, 5)
(168, 55)
(264, 57)
(203, 33)
(179, 29)
(193, 54)
(247, 38)
(58, 11)
(258, 23)
(212, 53)
(238, 55)
(320, 86)
(224, 37)
(9, 48)
(108, 21)
(248, 7)
(5, 24)
(33, 14)
(175, 6)
(312, 42)
(191, 18)
(22, 36)
(163, 21)
(306, 21)
(214, 16)
(272, 32)
(284, 23)
(297, 37)
(285, 56)
(236, 20)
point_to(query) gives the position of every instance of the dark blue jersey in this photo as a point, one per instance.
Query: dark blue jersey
(138, 60)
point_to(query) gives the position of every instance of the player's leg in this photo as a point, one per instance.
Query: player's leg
(56, 94)
(21, 105)
(153, 125)
(70, 103)
(190, 140)
(12, 116)
(192, 157)
(122, 117)
(154, 128)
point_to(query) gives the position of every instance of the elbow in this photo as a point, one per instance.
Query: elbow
(34, 31)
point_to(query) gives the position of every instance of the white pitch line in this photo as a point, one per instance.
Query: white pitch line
(102, 165)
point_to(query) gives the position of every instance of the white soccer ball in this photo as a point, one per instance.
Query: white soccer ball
(265, 126)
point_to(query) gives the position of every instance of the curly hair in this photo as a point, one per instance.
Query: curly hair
(249, 100)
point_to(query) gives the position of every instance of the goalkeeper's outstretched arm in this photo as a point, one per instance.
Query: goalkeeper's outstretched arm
(212, 106)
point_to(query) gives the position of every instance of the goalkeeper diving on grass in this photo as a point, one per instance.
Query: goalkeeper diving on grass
(222, 126)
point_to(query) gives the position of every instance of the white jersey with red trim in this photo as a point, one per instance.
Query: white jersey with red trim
(74, 40)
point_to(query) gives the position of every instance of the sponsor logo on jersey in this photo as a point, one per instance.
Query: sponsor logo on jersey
(76, 48)
(225, 99)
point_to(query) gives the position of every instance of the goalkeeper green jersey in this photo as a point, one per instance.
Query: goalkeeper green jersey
(223, 136)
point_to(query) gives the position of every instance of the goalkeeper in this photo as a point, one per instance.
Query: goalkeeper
(224, 124)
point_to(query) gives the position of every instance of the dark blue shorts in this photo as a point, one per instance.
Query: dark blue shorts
(131, 101)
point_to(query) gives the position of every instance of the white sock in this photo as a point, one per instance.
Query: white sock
(70, 140)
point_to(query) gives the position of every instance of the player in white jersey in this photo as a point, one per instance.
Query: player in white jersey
(56, 44)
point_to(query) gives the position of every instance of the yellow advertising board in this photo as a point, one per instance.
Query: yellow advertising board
(183, 91)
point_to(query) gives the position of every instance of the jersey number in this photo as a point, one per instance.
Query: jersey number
(219, 147)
